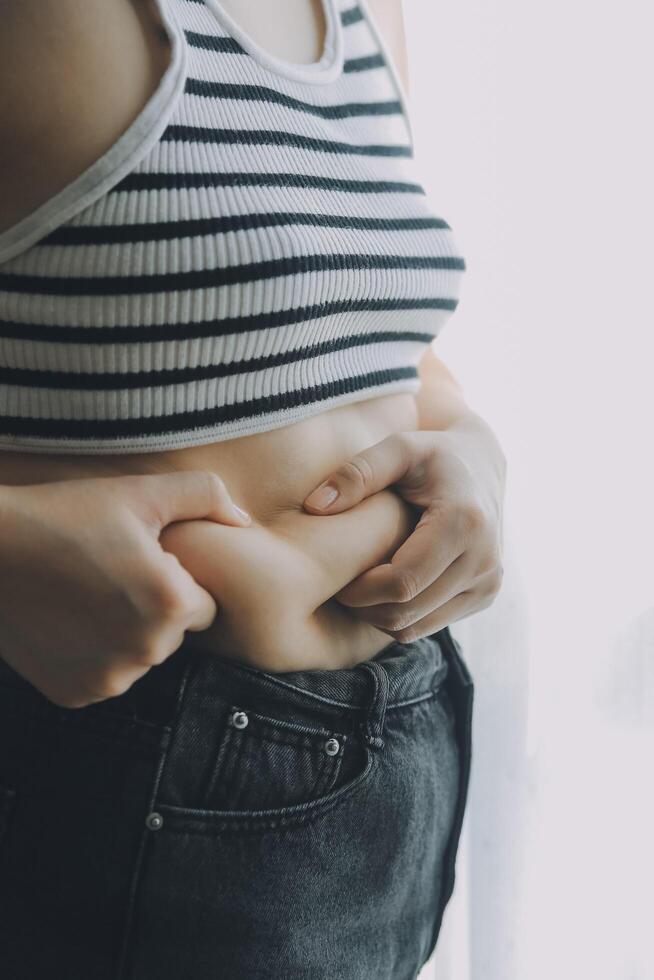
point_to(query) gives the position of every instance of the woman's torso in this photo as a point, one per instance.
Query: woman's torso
(274, 582)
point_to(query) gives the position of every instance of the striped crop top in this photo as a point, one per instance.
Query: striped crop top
(255, 248)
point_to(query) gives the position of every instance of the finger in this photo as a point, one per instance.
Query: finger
(362, 537)
(364, 474)
(199, 608)
(187, 495)
(459, 607)
(397, 616)
(423, 557)
(168, 596)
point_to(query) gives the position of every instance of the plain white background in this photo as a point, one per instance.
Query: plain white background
(533, 126)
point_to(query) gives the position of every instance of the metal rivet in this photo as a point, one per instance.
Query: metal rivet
(154, 821)
(332, 746)
(240, 719)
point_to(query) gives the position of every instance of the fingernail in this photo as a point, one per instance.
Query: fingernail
(321, 498)
(243, 514)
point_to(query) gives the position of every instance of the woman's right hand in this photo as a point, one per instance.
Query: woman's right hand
(89, 600)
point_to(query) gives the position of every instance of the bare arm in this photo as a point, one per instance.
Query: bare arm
(440, 400)
(390, 20)
(73, 75)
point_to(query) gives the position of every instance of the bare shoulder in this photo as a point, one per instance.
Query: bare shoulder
(390, 20)
(73, 75)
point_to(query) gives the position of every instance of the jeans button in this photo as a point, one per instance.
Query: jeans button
(240, 719)
(154, 821)
(332, 746)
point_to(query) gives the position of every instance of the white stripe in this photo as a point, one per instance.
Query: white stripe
(132, 207)
(183, 156)
(214, 303)
(36, 355)
(249, 115)
(226, 250)
(355, 86)
(162, 400)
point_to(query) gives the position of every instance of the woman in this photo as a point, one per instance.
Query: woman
(234, 743)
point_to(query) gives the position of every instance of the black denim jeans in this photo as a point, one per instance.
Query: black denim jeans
(217, 822)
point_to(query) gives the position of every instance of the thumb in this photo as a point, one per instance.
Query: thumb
(188, 495)
(364, 474)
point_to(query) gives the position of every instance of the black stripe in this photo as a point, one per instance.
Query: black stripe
(351, 16)
(212, 328)
(365, 63)
(174, 230)
(276, 137)
(260, 93)
(226, 276)
(179, 181)
(110, 381)
(186, 421)
(213, 42)
(229, 45)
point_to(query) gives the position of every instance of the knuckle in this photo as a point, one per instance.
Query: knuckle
(407, 635)
(495, 580)
(491, 565)
(416, 462)
(402, 443)
(153, 647)
(151, 653)
(357, 472)
(109, 686)
(485, 601)
(391, 619)
(164, 599)
(442, 512)
(472, 518)
(112, 689)
(490, 575)
(492, 589)
(399, 624)
(403, 586)
(215, 484)
(216, 489)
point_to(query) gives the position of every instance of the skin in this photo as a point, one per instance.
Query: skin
(303, 44)
(121, 555)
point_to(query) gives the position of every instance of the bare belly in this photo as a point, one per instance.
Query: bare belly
(274, 581)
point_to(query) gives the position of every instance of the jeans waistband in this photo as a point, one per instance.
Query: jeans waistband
(399, 674)
(412, 670)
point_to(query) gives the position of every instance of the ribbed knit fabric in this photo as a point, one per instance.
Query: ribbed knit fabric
(256, 248)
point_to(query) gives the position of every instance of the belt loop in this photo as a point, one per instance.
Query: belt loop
(374, 723)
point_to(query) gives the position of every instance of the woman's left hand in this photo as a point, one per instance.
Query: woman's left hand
(451, 565)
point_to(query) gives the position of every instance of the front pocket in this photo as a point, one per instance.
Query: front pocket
(266, 764)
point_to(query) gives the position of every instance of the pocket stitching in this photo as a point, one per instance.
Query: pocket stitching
(221, 764)
(212, 822)
(331, 767)
(226, 765)
(280, 726)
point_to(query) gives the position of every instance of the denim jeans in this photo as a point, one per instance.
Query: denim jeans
(217, 822)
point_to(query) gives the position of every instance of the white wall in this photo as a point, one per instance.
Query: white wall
(534, 131)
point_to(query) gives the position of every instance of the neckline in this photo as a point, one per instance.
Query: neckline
(329, 66)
